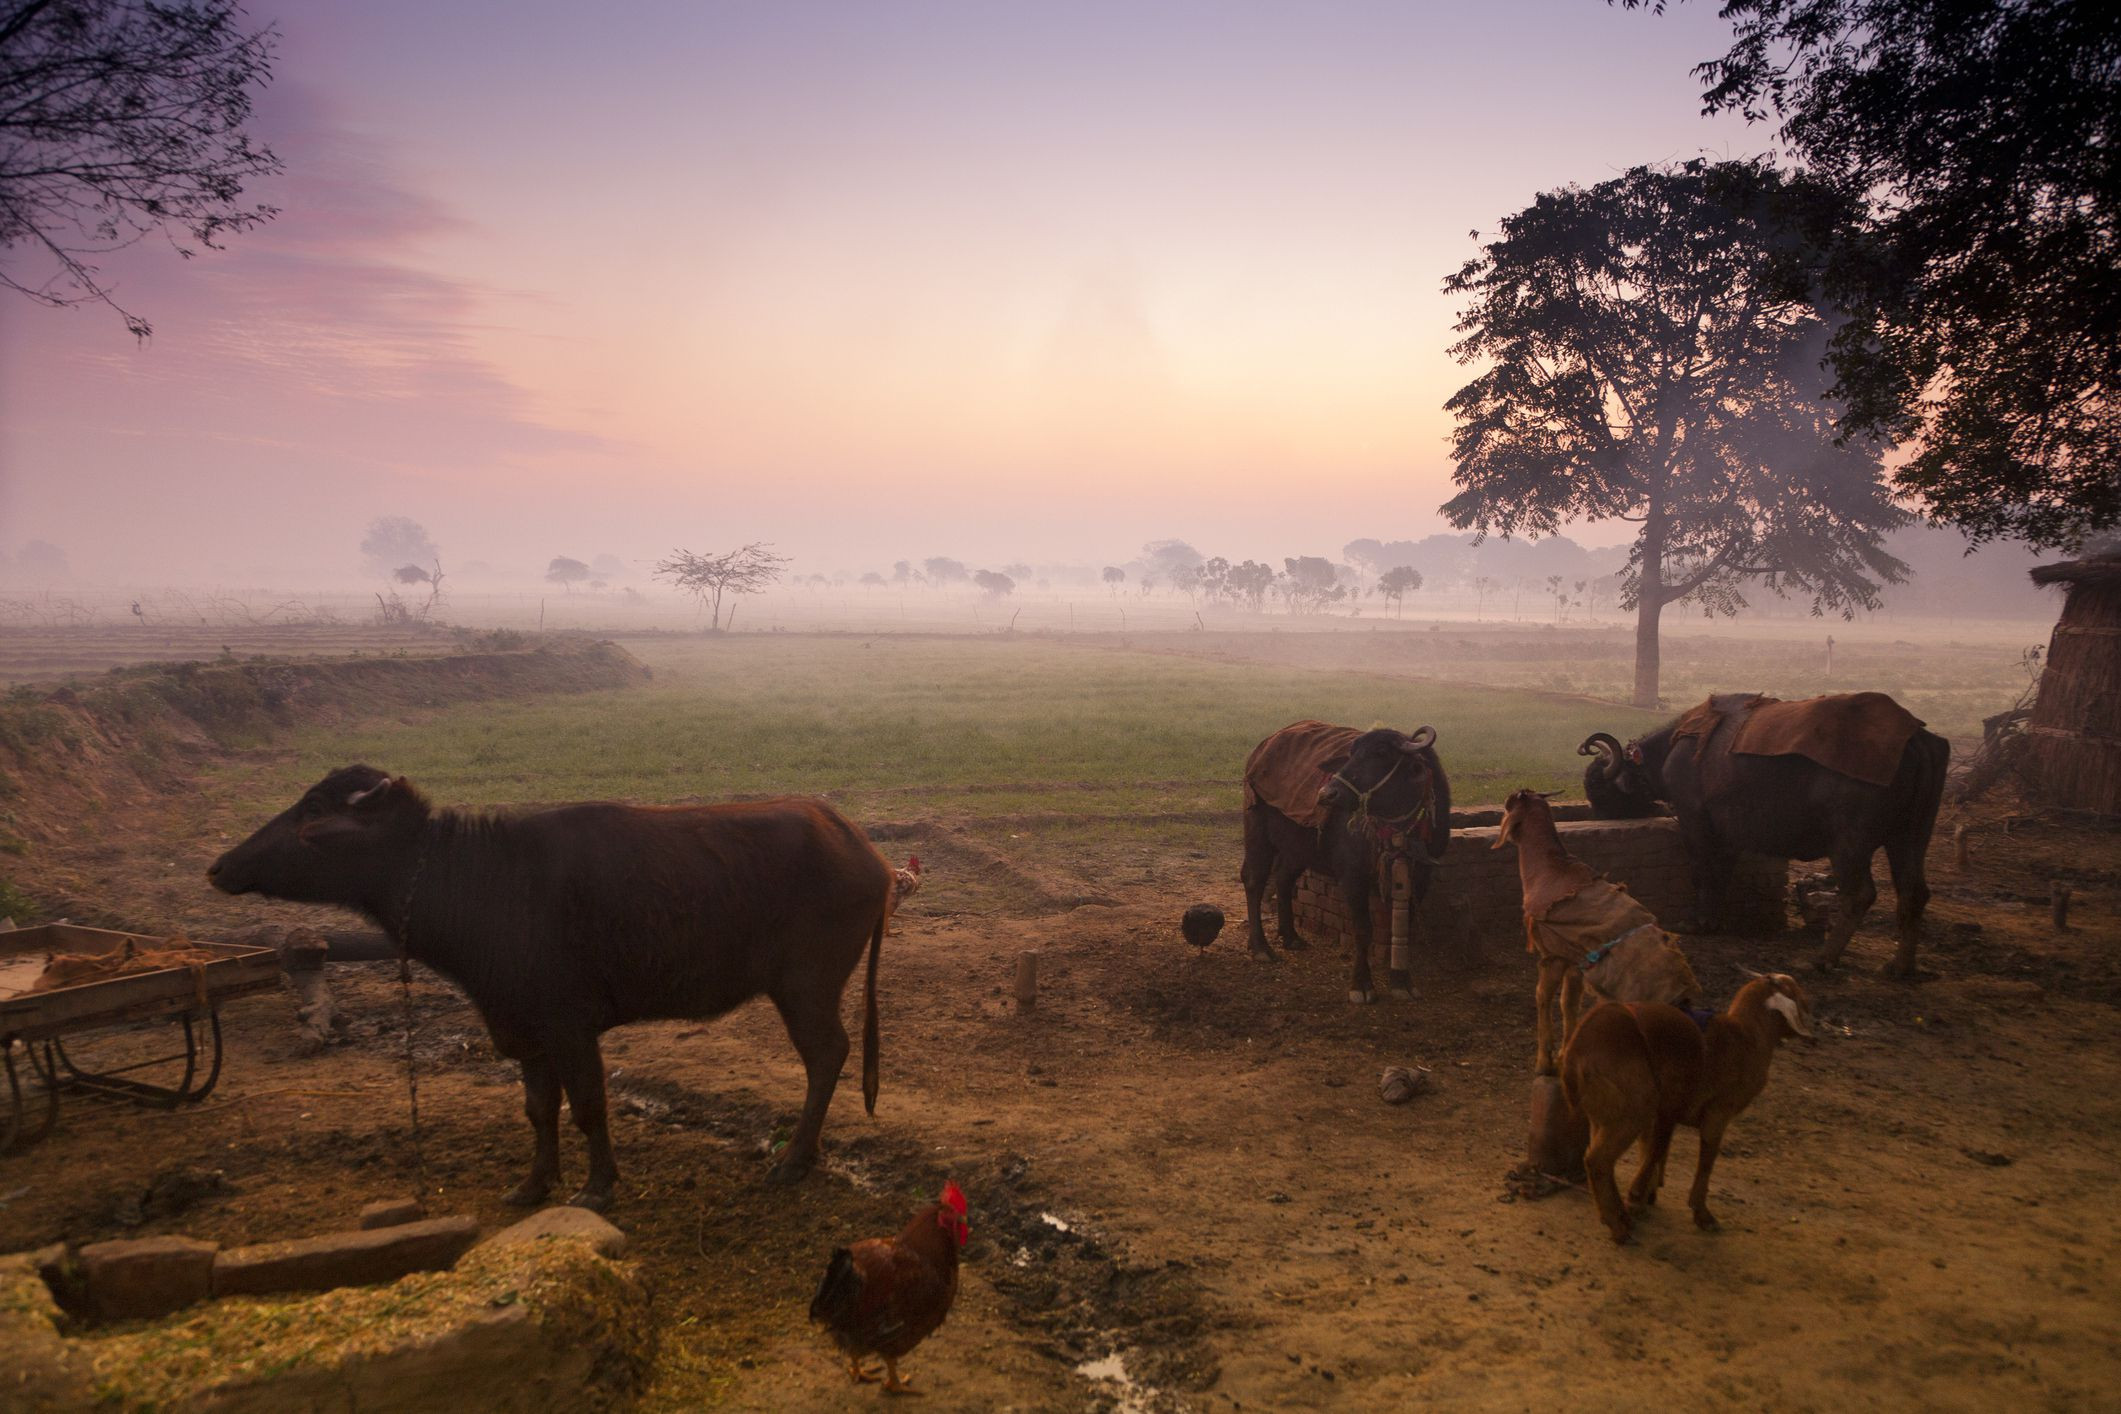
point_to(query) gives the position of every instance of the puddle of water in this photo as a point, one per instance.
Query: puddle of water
(1111, 1370)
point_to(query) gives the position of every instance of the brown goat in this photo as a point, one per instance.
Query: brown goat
(1638, 1071)
(1584, 929)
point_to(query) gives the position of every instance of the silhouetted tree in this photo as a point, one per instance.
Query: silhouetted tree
(566, 573)
(1398, 582)
(745, 570)
(1651, 346)
(1983, 286)
(943, 570)
(391, 541)
(1114, 577)
(1250, 581)
(993, 584)
(121, 119)
(873, 579)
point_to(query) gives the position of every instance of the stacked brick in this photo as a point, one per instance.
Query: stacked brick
(1475, 907)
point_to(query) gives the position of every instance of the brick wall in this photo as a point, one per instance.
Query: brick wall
(1475, 906)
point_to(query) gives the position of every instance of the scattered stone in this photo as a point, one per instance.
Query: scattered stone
(1400, 1083)
(392, 1212)
(142, 1277)
(1983, 1156)
(556, 1223)
(344, 1258)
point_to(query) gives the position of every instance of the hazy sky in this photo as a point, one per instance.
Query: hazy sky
(870, 280)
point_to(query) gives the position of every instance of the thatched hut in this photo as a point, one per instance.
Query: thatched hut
(2073, 746)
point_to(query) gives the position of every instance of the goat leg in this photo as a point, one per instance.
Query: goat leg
(1712, 1127)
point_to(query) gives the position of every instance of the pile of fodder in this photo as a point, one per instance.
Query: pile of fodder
(93, 745)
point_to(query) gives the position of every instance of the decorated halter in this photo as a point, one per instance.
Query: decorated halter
(1387, 827)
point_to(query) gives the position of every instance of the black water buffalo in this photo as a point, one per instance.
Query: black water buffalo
(1387, 798)
(563, 923)
(1785, 807)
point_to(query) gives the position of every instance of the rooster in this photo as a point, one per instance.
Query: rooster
(1201, 923)
(906, 882)
(885, 1295)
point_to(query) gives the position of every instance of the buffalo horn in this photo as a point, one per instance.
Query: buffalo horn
(377, 789)
(1421, 739)
(1597, 742)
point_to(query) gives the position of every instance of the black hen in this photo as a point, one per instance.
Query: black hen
(1201, 924)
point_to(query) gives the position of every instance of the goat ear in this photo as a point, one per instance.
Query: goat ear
(374, 792)
(1792, 1014)
(1509, 828)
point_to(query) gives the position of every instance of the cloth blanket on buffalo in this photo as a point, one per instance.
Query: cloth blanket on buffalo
(1859, 734)
(1703, 717)
(1289, 768)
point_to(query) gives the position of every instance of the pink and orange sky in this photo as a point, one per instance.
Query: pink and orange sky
(868, 280)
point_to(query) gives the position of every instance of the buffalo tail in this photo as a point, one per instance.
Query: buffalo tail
(869, 1036)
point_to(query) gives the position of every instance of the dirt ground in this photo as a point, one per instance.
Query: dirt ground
(1185, 1190)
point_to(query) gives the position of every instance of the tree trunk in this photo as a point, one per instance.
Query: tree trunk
(1649, 604)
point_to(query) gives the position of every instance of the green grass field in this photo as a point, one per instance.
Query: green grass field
(962, 728)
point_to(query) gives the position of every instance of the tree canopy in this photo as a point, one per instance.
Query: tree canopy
(1648, 350)
(121, 119)
(392, 541)
(747, 569)
(1983, 283)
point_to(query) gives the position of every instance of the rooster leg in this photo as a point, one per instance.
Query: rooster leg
(894, 1382)
(862, 1374)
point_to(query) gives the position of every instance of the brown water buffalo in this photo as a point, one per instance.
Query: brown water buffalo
(560, 924)
(1784, 806)
(1341, 802)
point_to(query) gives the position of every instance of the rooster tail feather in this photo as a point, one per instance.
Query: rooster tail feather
(840, 1293)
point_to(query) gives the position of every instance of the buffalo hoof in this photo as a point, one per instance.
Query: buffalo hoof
(528, 1194)
(1400, 987)
(1621, 1232)
(1361, 998)
(1705, 1220)
(1292, 943)
(1826, 966)
(596, 1200)
(790, 1170)
(1899, 968)
(1262, 953)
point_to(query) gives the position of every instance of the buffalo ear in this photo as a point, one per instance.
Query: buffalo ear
(330, 829)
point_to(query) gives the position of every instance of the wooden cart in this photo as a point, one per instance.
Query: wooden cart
(35, 1025)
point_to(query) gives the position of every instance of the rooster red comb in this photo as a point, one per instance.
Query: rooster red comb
(954, 1198)
(913, 862)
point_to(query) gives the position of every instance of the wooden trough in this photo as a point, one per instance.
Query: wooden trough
(1475, 906)
(36, 1025)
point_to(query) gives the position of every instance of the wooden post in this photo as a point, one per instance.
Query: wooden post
(1026, 980)
(1959, 848)
(2058, 898)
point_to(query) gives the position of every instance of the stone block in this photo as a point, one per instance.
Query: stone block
(563, 1224)
(392, 1212)
(142, 1277)
(343, 1258)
